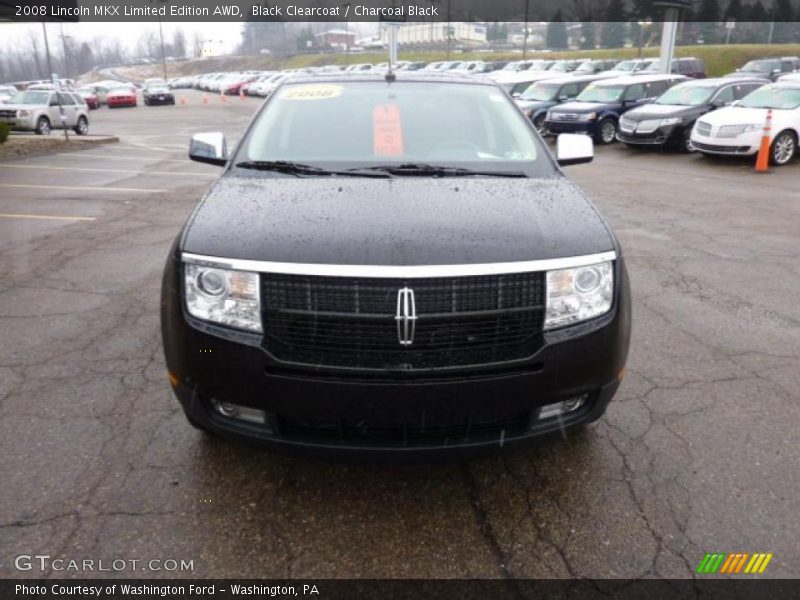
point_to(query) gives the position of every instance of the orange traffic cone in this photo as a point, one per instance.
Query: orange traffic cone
(222, 97)
(241, 93)
(205, 98)
(183, 101)
(762, 162)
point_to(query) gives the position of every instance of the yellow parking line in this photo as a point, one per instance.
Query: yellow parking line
(13, 166)
(78, 188)
(48, 217)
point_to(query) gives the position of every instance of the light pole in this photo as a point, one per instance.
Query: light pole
(163, 56)
(55, 86)
(525, 32)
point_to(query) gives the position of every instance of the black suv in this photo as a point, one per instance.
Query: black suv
(669, 120)
(597, 109)
(688, 67)
(540, 96)
(393, 265)
(768, 68)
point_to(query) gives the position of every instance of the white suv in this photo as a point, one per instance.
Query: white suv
(41, 111)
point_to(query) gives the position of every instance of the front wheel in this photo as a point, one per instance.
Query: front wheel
(687, 146)
(43, 126)
(607, 131)
(538, 122)
(82, 128)
(783, 149)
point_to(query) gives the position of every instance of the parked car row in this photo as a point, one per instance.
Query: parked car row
(41, 111)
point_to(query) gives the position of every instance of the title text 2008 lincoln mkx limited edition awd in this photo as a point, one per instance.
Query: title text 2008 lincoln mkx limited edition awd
(393, 265)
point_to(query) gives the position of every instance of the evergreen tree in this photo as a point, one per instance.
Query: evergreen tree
(709, 14)
(613, 34)
(557, 32)
(757, 29)
(783, 14)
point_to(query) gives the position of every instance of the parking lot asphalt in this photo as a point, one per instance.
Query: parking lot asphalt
(698, 452)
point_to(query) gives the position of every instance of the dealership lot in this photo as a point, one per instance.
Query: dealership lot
(698, 452)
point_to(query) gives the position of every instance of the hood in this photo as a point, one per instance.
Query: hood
(534, 104)
(735, 115)
(400, 221)
(649, 111)
(583, 107)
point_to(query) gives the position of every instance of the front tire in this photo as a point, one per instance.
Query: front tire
(82, 128)
(607, 131)
(687, 147)
(783, 148)
(43, 126)
(538, 123)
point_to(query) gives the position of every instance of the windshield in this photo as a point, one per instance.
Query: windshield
(625, 65)
(772, 97)
(761, 66)
(563, 67)
(541, 91)
(85, 91)
(587, 67)
(118, 91)
(31, 98)
(690, 95)
(362, 124)
(601, 93)
(158, 89)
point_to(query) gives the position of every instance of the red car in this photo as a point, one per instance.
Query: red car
(121, 96)
(235, 87)
(90, 97)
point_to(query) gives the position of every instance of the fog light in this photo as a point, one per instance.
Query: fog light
(243, 413)
(562, 408)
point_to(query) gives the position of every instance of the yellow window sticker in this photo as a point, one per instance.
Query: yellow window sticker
(317, 91)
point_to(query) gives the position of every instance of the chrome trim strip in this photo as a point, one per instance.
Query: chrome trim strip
(399, 271)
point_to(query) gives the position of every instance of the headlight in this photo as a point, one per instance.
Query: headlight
(23, 113)
(528, 113)
(578, 294)
(223, 296)
(672, 121)
(753, 127)
(589, 116)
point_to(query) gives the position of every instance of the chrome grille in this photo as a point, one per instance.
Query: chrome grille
(730, 131)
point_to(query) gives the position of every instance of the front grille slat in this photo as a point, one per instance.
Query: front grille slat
(350, 322)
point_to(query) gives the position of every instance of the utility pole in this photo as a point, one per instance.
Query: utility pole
(55, 85)
(163, 56)
(448, 29)
(63, 37)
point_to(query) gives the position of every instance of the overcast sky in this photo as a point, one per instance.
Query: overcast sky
(12, 34)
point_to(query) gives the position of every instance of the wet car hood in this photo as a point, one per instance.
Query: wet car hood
(534, 104)
(650, 111)
(585, 107)
(400, 221)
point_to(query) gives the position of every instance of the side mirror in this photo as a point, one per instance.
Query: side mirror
(209, 148)
(574, 149)
(516, 95)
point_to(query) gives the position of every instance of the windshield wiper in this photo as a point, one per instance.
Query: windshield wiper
(293, 168)
(421, 169)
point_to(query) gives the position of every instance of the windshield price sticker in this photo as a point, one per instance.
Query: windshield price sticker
(388, 127)
(312, 92)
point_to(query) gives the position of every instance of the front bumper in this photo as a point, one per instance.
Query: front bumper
(393, 415)
(584, 127)
(660, 137)
(163, 100)
(745, 144)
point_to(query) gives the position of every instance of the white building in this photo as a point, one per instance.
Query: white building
(428, 33)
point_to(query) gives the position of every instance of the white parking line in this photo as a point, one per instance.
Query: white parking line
(79, 188)
(46, 217)
(13, 166)
(111, 156)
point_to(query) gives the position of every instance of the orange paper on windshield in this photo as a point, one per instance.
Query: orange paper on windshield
(388, 130)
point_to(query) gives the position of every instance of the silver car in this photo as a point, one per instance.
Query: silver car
(41, 111)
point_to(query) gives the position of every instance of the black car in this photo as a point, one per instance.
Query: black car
(767, 68)
(668, 121)
(540, 96)
(597, 109)
(688, 66)
(158, 94)
(393, 265)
